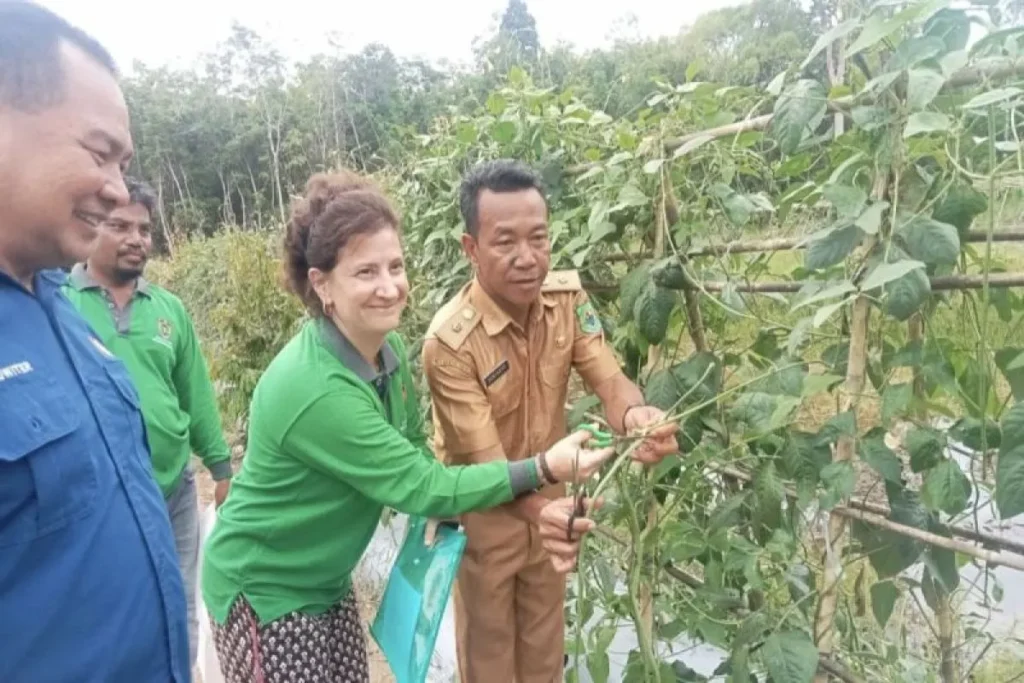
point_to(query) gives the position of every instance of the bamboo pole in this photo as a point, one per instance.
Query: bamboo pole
(939, 283)
(877, 516)
(788, 243)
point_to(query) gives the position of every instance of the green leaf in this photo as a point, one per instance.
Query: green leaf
(798, 111)
(913, 51)
(926, 447)
(839, 480)
(1014, 375)
(790, 657)
(755, 409)
(682, 540)
(930, 241)
(839, 425)
(968, 431)
(871, 219)
(833, 247)
(880, 457)
(653, 166)
(774, 87)
(826, 39)
(871, 117)
(830, 291)
(848, 201)
(895, 400)
(926, 122)
(631, 195)
(876, 28)
(888, 552)
(496, 104)
(504, 132)
(598, 666)
(652, 311)
(946, 488)
(699, 378)
(951, 26)
(1010, 466)
(631, 288)
(885, 273)
(959, 207)
(662, 390)
(826, 312)
(577, 414)
(922, 87)
(802, 458)
(883, 599)
(905, 295)
(769, 493)
(996, 96)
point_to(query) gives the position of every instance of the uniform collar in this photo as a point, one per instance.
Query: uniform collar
(345, 352)
(81, 279)
(492, 316)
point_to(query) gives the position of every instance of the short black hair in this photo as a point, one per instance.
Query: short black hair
(500, 175)
(31, 69)
(140, 192)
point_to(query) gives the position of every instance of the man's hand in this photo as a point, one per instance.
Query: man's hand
(660, 443)
(553, 526)
(220, 491)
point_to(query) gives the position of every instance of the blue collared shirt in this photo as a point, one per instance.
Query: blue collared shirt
(90, 590)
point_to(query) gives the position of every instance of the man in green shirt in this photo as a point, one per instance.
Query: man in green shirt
(149, 329)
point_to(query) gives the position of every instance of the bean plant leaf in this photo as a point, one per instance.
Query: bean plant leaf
(832, 248)
(504, 132)
(871, 219)
(699, 378)
(946, 488)
(798, 111)
(880, 457)
(959, 207)
(930, 241)
(969, 431)
(926, 122)
(905, 295)
(926, 447)
(631, 288)
(790, 657)
(849, 201)
(662, 390)
(922, 87)
(839, 480)
(871, 117)
(911, 52)
(888, 552)
(828, 38)
(995, 96)
(885, 273)
(883, 599)
(951, 26)
(652, 310)
(1014, 375)
(896, 399)
(1010, 467)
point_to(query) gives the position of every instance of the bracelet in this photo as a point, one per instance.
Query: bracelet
(542, 460)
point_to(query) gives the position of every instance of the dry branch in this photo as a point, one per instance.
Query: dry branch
(788, 243)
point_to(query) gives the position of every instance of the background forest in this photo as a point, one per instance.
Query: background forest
(800, 222)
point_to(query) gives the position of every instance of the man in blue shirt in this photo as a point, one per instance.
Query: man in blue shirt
(90, 590)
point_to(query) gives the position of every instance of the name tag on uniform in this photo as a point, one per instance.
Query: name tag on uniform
(495, 374)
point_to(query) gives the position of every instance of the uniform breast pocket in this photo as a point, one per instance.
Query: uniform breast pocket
(47, 474)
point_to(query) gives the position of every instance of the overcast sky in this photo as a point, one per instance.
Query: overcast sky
(175, 32)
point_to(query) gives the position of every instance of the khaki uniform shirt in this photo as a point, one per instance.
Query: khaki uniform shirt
(493, 382)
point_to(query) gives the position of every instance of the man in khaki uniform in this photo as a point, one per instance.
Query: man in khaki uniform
(497, 358)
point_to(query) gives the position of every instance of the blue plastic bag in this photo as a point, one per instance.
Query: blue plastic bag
(414, 602)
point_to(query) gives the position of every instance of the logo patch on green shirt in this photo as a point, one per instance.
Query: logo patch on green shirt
(164, 326)
(587, 316)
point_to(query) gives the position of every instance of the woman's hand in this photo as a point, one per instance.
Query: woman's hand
(571, 452)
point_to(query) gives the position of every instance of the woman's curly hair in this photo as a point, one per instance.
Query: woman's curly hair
(334, 208)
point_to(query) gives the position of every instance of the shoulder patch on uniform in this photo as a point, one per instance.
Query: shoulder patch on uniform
(454, 330)
(587, 317)
(562, 281)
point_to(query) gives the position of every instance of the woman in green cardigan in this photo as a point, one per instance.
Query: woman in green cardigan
(336, 434)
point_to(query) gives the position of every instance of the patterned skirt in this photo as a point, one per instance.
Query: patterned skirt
(297, 648)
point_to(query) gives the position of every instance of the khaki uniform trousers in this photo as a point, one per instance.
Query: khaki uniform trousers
(509, 604)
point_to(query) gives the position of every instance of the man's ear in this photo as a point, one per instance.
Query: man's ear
(469, 247)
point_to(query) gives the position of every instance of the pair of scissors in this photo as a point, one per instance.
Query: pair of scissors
(599, 439)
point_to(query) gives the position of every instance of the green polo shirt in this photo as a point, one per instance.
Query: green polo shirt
(332, 441)
(154, 337)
